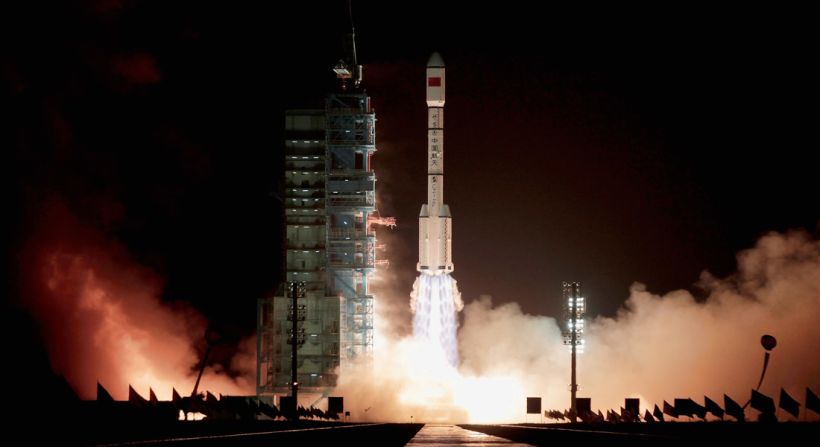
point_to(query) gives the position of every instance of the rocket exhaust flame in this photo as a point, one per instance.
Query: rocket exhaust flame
(435, 301)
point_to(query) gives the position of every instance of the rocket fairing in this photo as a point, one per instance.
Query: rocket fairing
(435, 222)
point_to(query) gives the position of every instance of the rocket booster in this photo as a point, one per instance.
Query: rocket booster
(435, 222)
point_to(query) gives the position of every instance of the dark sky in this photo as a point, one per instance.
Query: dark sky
(601, 146)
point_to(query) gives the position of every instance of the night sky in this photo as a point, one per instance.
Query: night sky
(601, 146)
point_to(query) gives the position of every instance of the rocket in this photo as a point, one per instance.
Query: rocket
(435, 222)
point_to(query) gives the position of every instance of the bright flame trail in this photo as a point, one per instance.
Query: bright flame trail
(435, 301)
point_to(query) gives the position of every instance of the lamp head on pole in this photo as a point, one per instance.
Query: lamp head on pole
(768, 342)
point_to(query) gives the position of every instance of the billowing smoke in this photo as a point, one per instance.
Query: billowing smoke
(657, 347)
(102, 318)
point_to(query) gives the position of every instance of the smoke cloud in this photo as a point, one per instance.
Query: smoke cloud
(102, 318)
(657, 347)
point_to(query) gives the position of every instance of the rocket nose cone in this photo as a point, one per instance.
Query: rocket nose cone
(435, 60)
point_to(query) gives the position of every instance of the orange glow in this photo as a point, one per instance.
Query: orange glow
(102, 319)
(132, 337)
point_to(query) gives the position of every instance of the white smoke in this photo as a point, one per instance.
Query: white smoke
(657, 347)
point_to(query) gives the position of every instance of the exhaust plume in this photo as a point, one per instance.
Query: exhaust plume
(657, 347)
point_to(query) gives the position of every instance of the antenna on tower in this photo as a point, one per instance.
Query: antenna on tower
(348, 67)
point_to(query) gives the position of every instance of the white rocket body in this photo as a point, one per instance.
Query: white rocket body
(435, 222)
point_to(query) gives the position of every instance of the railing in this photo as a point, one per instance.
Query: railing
(350, 265)
(367, 141)
(319, 155)
(304, 205)
(304, 269)
(351, 201)
(298, 246)
(355, 175)
(304, 213)
(304, 193)
(360, 306)
(291, 166)
(345, 110)
(298, 219)
(348, 233)
(302, 150)
(305, 185)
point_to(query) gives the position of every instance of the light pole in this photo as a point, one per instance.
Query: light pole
(574, 309)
